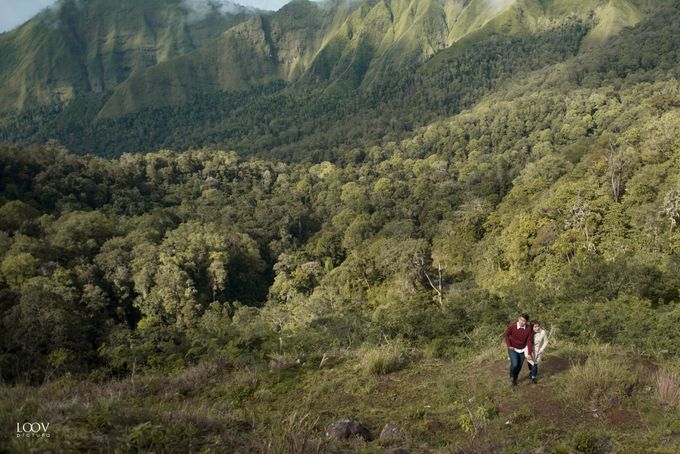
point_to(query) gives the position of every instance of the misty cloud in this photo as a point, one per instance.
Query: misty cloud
(14, 13)
(50, 15)
(199, 9)
(500, 4)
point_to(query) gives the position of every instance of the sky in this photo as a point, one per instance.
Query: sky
(16, 12)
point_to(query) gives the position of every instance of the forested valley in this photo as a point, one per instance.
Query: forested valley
(271, 241)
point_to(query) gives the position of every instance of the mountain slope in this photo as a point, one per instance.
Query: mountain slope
(339, 43)
(345, 45)
(90, 46)
(260, 50)
(315, 80)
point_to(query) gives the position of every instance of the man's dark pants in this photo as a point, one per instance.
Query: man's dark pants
(516, 363)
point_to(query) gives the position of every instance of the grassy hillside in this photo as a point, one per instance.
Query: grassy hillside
(590, 399)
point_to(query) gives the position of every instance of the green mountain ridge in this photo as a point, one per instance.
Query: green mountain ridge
(90, 46)
(351, 45)
(273, 83)
(159, 52)
(260, 50)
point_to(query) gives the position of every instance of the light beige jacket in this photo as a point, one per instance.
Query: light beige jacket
(540, 343)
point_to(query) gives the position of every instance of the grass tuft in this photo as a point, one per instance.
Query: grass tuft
(600, 383)
(668, 388)
(384, 359)
(295, 434)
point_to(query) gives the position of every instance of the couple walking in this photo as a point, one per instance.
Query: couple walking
(523, 339)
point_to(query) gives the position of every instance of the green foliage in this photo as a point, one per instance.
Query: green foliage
(80, 233)
(590, 442)
(191, 259)
(16, 215)
(62, 331)
(147, 437)
(16, 269)
(476, 416)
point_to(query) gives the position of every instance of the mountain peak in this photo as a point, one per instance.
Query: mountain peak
(77, 47)
(139, 46)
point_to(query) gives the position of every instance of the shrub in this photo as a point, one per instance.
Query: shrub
(241, 387)
(445, 347)
(193, 379)
(475, 418)
(590, 443)
(103, 415)
(626, 321)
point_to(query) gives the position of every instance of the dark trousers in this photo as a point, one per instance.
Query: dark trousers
(533, 369)
(516, 362)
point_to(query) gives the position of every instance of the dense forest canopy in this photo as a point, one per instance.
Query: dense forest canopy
(559, 192)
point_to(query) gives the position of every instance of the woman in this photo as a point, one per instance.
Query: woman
(540, 342)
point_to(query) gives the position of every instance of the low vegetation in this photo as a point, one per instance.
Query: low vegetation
(439, 405)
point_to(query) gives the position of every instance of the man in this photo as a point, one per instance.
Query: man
(518, 337)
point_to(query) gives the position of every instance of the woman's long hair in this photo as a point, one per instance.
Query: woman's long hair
(531, 328)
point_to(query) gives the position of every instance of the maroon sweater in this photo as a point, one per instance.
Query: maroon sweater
(519, 338)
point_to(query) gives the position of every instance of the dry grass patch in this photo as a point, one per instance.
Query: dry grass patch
(600, 383)
(668, 388)
(384, 359)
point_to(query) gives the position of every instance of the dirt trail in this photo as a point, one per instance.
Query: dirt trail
(544, 399)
